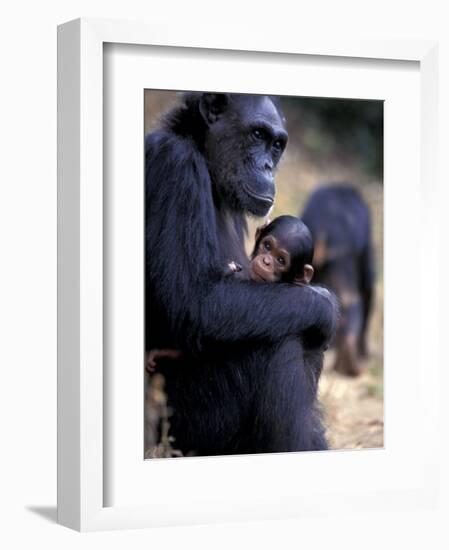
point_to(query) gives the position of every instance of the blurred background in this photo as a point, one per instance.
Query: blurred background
(331, 141)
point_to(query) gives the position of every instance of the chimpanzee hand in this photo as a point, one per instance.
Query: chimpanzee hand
(155, 354)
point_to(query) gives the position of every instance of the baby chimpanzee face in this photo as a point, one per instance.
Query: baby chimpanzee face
(283, 252)
(271, 260)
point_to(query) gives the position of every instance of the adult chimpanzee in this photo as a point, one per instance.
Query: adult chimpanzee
(237, 387)
(340, 222)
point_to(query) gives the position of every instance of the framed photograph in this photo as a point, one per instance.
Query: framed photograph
(242, 293)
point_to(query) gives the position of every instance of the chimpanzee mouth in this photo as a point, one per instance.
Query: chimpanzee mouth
(256, 276)
(268, 199)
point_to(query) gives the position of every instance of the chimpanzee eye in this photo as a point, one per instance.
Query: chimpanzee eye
(277, 145)
(281, 260)
(267, 245)
(258, 133)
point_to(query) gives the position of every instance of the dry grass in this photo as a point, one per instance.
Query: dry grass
(353, 407)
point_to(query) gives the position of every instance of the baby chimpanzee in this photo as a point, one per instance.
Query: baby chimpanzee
(283, 252)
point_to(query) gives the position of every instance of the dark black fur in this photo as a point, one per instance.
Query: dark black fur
(237, 388)
(338, 215)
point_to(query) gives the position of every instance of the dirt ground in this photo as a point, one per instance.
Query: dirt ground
(353, 407)
(353, 410)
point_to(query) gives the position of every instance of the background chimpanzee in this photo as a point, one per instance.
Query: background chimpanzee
(340, 223)
(238, 386)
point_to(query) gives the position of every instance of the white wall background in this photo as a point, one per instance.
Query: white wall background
(28, 268)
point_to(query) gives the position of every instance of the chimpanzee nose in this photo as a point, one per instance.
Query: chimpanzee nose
(266, 260)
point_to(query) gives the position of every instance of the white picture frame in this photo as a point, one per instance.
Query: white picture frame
(82, 491)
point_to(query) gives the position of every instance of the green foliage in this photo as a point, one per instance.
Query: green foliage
(350, 130)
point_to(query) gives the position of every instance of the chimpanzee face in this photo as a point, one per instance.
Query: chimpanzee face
(283, 251)
(270, 261)
(244, 143)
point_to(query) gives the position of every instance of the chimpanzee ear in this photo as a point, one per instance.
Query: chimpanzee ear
(308, 275)
(212, 106)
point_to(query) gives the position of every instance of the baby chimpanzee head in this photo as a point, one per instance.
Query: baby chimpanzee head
(283, 252)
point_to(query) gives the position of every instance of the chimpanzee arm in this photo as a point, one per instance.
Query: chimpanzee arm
(183, 271)
(235, 310)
